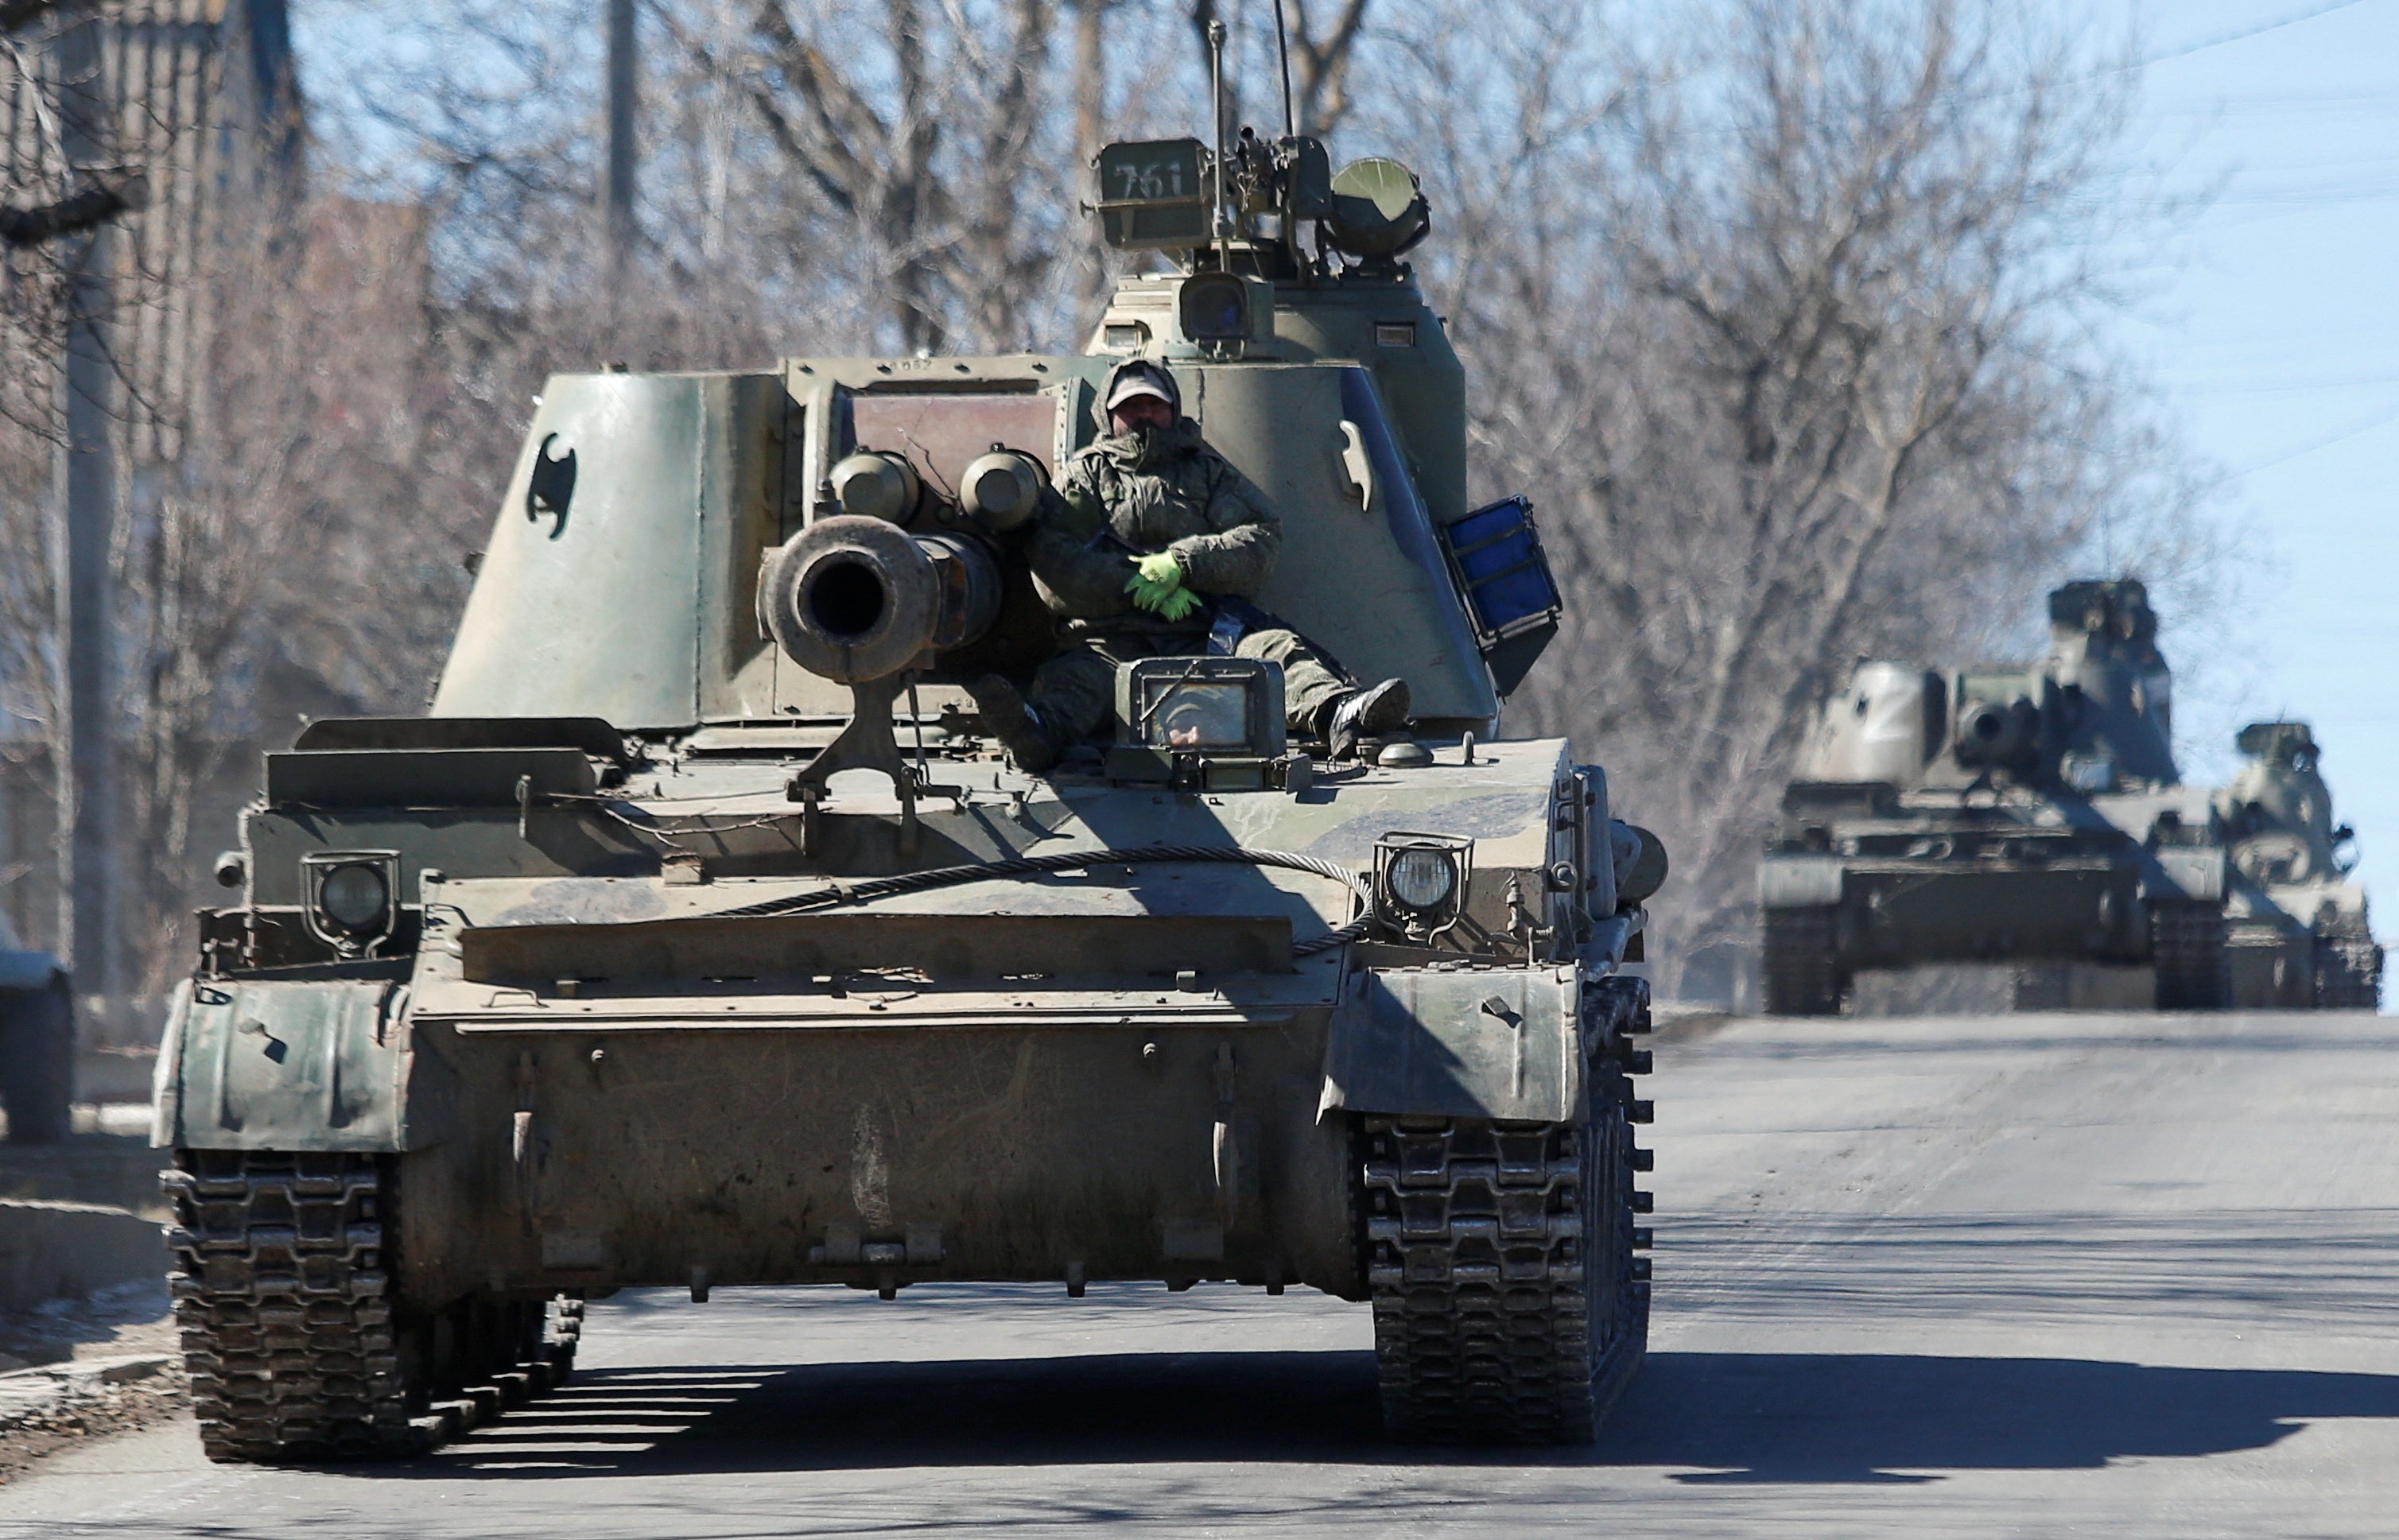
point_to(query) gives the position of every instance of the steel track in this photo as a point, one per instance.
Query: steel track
(1509, 1305)
(283, 1296)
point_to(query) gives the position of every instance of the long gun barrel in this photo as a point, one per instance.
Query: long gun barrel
(855, 599)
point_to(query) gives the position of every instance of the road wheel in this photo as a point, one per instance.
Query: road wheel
(1509, 1304)
(38, 1062)
(2187, 944)
(1803, 964)
(2349, 972)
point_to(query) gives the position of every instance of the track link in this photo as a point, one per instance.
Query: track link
(1802, 962)
(2187, 944)
(283, 1297)
(1508, 1303)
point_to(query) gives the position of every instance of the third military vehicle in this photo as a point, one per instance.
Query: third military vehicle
(701, 935)
(2031, 816)
(2299, 935)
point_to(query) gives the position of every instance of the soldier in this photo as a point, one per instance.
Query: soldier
(1152, 546)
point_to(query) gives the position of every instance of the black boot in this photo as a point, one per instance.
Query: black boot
(1369, 713)
(1015, 725)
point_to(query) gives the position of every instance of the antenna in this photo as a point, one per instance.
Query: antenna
(1282, 53)
(1217, 110)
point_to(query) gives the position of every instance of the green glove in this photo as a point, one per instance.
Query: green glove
(1157, 586)
(1165, 598)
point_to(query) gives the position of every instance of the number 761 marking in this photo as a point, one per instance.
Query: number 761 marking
(1159, 179)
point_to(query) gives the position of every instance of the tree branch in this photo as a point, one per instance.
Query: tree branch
(108, 196)
(15, 14)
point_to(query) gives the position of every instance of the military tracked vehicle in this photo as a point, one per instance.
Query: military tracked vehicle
(36, 1043)
(2298, 934)
(701, 935)
(2030, 816)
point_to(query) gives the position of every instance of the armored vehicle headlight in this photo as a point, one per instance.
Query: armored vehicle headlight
(1423, 879)
(2088, 773)
(351, 898)
(1420, 879)
(354, 897)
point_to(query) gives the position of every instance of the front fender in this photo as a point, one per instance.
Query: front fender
(291, 1064)
(1498, 1043)
(1800, 882)
(2192, 872)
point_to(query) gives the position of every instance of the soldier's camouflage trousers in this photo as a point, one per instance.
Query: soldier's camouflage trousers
(1075, 693)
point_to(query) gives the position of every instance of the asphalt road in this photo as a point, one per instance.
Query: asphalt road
(1993, 1277)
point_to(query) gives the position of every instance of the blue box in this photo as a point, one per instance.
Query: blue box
(1501, 569)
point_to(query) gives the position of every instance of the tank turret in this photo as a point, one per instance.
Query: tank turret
(2113, 711)
(2095, 716)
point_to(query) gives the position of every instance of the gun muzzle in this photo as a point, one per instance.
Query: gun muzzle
(855, 599)
(1994, 731)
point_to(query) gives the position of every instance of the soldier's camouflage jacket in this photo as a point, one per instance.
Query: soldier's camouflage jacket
(1135, 494)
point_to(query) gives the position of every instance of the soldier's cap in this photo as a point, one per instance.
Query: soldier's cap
(1140, 377)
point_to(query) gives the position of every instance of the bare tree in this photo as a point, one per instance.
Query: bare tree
(1320, 61)
(1778, 307)
(130, 142)
(922, 136)
(112, 192)
(1789, 331)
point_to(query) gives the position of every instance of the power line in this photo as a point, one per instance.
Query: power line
(2290, 21)
(2346, 382)
(2380, 420)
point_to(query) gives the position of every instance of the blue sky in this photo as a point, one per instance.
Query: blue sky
(2276, 340)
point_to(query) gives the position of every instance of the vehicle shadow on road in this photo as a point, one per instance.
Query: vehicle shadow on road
(1699, 1417)
(1799, 1417)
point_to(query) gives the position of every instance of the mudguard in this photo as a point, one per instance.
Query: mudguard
(288, 1064)
(1477, 1043)
(1799, 882)
(2195, 873)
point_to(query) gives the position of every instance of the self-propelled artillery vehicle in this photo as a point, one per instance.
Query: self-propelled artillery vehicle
(2298, 935)
(701, 935)
(2002, 815)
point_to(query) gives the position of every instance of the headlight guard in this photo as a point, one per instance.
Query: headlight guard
(350, 899)
(1420, 880)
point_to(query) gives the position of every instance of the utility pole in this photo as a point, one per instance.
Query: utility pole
(624, 84)
(86, 506)
(1090, 126)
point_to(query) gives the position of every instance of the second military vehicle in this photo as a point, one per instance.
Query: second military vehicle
(2004, 814)
(701, 935)
(2298, 934)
